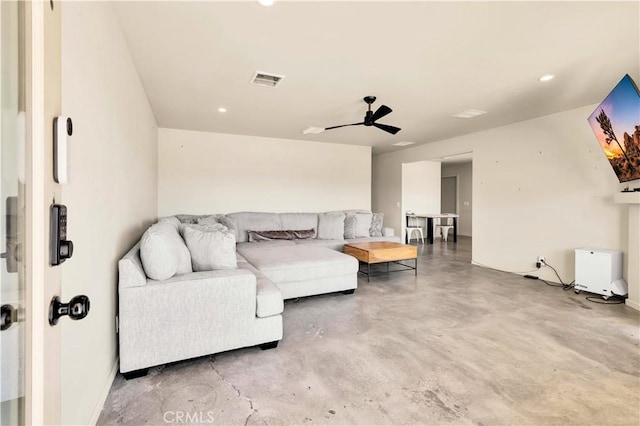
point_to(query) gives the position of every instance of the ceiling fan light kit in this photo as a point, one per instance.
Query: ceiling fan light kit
(312, 130)
(370, 119)
(470, 113)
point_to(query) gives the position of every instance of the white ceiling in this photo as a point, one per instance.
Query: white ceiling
(426, 60)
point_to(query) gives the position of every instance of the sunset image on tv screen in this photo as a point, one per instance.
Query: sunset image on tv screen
(616, 124)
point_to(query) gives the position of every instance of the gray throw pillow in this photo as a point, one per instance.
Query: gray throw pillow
(349, 227)
(163, 253)
(221, 219)
(212, 247)
(189, 218)
(230, 224)
(213, 219)
(331, 226)
(363, 223)
(376, 225)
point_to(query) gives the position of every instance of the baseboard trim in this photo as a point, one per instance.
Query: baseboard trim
(632, 304)
(105, 393)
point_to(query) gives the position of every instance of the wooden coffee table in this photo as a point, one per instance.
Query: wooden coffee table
(383, 252)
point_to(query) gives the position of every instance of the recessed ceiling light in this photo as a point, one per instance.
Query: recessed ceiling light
(222, 109)
(403, 143)
(546, 77)
(266, 2)
(470, 113)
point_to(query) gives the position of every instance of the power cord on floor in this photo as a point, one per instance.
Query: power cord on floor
(556, 272)
(613, 300)
(564, 287)
(562, 284)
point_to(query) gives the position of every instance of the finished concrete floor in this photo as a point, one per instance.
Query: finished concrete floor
(459, 344)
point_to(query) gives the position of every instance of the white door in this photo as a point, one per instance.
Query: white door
(30, 98)
(12, 215)
(42, 397)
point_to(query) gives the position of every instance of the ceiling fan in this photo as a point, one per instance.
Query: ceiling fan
(370, 119)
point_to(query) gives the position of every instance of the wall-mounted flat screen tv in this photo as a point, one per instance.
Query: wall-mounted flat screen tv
(616, 124)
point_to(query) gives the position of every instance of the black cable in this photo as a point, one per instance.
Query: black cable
(564, 287)
(613, 300)
(550, 284)
(557, 275)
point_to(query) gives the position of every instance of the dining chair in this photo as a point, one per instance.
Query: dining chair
(444, 225)
(413, 227)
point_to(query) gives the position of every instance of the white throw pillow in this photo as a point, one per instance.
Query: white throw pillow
(363, 223)
(331, 226)
(163, 253)
(212, 247)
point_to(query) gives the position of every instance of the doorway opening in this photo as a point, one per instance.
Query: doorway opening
(457, 190)
(449, 194)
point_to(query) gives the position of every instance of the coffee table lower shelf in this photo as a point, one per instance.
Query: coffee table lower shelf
(368, 273)
(375, 253)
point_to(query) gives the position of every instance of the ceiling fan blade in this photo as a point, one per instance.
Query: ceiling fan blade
(391, 129)
(381, 112)
(344, 125)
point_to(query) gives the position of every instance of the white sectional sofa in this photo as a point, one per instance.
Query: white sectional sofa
(192, 314)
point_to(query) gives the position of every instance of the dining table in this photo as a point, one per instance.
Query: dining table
(430, 218)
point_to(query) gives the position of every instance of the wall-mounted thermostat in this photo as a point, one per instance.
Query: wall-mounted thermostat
(62, 129)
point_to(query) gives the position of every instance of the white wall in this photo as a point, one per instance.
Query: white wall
(112, 196)
(540, 187)
(464, 171)
(202, 172)
(421, 188)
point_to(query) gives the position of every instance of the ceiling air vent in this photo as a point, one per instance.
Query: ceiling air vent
(265, 79)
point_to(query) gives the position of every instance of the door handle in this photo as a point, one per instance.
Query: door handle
(8, 316)
(76, 309)
(12, 254)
